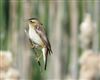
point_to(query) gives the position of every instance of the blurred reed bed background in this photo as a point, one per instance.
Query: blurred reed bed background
(62, 20)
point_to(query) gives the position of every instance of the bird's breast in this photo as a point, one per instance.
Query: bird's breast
(35, 37)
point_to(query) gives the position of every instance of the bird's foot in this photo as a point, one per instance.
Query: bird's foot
(36, 46)
(38, 58)
(32, 46)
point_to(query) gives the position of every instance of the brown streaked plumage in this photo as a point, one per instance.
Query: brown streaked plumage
(38, 36)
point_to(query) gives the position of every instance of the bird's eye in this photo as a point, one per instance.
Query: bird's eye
(32, 21)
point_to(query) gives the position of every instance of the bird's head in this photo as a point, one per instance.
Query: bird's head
(33, 22)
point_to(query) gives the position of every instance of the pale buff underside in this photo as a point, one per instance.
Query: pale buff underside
(34, 36)
(36, 39)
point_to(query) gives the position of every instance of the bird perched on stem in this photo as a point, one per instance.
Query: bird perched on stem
(38, 38)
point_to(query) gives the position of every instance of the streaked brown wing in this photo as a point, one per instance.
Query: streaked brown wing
(41, 32)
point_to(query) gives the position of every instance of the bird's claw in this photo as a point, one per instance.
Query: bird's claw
(36, 46)
(38, 58)
(32, 46)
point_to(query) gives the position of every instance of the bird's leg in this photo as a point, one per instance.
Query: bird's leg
(38, 58)
(32, 46)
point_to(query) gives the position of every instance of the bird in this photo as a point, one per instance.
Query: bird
(38, 38)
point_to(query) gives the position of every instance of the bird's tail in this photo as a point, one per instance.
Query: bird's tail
(45, 56)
